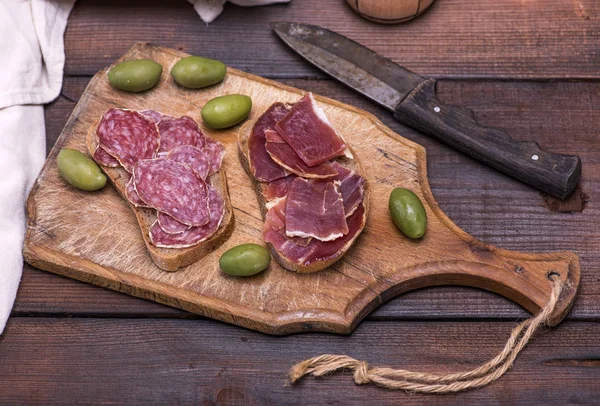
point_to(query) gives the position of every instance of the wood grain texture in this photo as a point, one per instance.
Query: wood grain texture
(92, 237)
(488, 205)
(50, 361)
(454, 38)
(59, 360)
(389, 11)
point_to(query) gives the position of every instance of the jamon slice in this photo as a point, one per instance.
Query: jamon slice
(352, 188)
(299, 257)
(179, 131)
(323, 251)
(215, 152)
(262, 166)
(172, 188)
(132, 195)
(309, 132)
(281, 152)
(303, 255)
(279, 188)
(315, 209)
(192, 156)
(194, 235)
(169, 225)
(105, 159)
(128, 136)
(274, 233)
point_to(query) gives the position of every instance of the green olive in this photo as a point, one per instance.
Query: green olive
(408, 213)
(79, 170)
(135, 76)
(245, 260)
(226, 111)
(195, 72)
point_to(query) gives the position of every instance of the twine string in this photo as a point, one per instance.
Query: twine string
(434, 383)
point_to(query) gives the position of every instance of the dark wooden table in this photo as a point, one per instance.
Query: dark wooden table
(532, 67)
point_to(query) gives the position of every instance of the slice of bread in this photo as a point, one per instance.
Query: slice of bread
(260, 188)
(170, 259)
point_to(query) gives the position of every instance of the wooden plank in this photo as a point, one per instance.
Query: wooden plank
(501, 211)
(49, 361)
(454, 38)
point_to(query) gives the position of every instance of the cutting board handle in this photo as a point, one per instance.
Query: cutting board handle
(522, 277)
(526, 281)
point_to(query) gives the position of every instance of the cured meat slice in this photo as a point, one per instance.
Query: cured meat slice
(281, 152)
(132, 195)
(154, 115)
(275, 234)
(315, 209)
(172, 188)
(261, 164)
(215, 152)
(128, 136)
(275, 221)
(352, 187)
(169, 225)
(194, 235)
(192, 156)
(309, 132)
(322, 251)
(179, 131)
(279, 188)
(105, 159)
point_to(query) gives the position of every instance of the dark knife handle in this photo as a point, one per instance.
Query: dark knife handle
(555, 174)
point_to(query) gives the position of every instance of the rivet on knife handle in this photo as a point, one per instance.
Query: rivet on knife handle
(555, 174)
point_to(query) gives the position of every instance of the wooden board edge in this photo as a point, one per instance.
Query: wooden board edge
(269, 323)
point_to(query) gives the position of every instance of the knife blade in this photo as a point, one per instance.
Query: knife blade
(414, 102)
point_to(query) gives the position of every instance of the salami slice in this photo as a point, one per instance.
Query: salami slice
(154, 115)
(128, 136)
(169, 225)
(179, 131)
(192, 156)
(132, 195)
(105, 159)
(215, 152)
(194, 235)
(172, 188)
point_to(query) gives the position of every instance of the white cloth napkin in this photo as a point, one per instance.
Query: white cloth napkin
(208, 10)
(32, 59)
(31, 64)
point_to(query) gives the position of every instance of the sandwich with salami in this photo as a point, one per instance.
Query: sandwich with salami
(170, 173)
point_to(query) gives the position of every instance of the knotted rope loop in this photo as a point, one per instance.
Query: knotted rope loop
(433, 383)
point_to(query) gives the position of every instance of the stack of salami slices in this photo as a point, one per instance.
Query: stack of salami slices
(168, 164)
(310, 184)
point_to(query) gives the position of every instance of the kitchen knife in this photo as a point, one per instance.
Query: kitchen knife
(413, 101)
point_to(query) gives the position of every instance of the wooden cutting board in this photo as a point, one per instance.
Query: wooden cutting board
(94, 237)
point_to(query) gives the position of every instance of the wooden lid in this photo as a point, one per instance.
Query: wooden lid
(389, 11)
